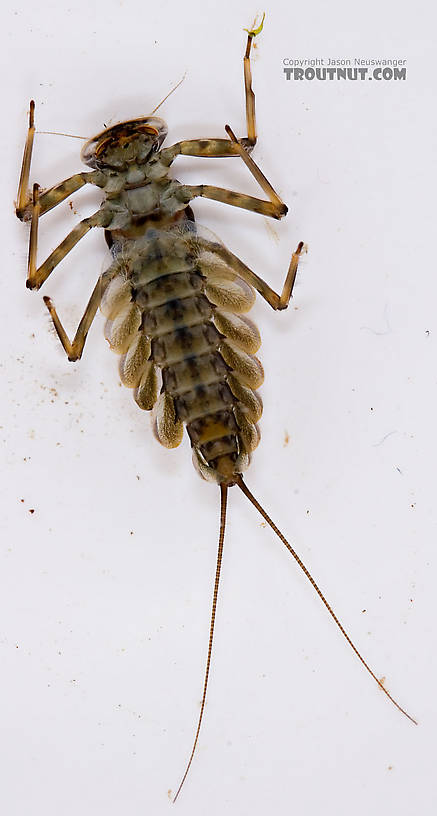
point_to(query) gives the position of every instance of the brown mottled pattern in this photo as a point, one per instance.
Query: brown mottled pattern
(178, 317)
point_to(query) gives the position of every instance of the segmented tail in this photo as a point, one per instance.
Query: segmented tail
(252, 499)
(224, 492)
(223, 504)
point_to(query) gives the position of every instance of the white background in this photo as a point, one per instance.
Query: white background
(106, 586)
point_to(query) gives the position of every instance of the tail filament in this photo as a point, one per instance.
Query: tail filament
(252, 499)
(223, 504)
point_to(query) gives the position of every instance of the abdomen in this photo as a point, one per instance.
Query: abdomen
(176, 315)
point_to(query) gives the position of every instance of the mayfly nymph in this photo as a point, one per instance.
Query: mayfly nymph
(175, 299)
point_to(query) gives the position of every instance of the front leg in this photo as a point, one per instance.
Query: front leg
(221, 148)
(58, 193)
(52, 197)
(250, 96)
(201, 148)
(23, 196)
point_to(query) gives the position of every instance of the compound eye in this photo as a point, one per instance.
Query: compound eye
(151, 131)
(102, 146)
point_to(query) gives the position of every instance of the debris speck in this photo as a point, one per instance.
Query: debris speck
(381, 441)
(271, 231)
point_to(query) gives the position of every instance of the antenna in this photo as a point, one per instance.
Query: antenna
(169, 94)
(55, 133)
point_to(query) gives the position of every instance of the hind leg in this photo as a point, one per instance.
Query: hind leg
(277, 302)
(74, 349)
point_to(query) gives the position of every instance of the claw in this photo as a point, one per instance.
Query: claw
(247, 144)
(253, 32)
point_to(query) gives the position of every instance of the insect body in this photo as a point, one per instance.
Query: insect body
(175, 298)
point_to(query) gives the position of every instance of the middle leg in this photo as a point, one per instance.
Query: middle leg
(37, 276)
(275, 207)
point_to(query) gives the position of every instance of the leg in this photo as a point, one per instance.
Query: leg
(220, 148)
(36, 277)
(256, 172)
(250, 96)
(201, 148)
(258, 205)
(23, 185)
(275, 208)
(57, 193)
(277, 302)
(74, 349)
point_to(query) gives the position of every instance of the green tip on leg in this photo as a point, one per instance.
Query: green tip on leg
(253, 32)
